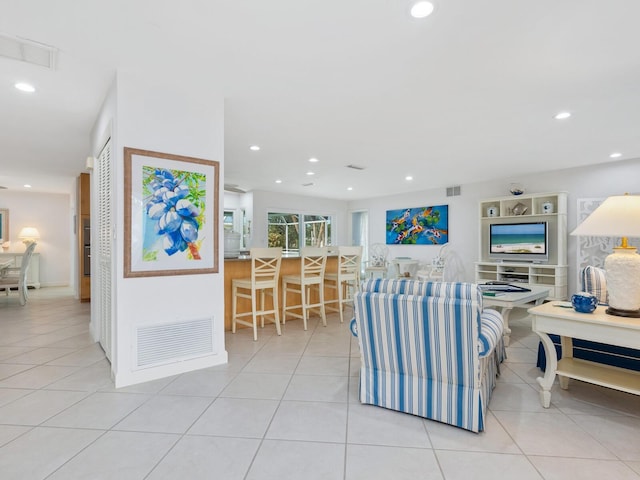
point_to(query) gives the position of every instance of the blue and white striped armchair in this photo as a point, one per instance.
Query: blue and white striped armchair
(428, 349)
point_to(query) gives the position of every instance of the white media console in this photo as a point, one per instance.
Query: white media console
(545, 207)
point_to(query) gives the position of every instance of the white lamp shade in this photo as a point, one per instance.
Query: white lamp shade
(29, 233)
(617, 216)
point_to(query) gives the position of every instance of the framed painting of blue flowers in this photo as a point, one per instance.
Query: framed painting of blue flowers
(171, 214)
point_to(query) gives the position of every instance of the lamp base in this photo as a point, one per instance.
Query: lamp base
(618, 312)
(622, 271)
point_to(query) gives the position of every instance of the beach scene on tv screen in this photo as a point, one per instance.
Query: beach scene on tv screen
(521, 238)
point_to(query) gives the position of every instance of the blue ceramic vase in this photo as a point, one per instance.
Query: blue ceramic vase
(584, 302)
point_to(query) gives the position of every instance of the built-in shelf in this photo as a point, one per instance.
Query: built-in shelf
(545, 207)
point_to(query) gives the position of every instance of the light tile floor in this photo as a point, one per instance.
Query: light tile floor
(283, 408)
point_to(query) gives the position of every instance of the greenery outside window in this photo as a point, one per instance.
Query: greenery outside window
(290, 230)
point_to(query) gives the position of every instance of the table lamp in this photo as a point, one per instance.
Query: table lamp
(618, 216)
(29, 235)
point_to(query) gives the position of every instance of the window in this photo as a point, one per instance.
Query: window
(290, 230)
(228, 220)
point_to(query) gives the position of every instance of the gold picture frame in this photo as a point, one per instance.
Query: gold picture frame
(170, 214)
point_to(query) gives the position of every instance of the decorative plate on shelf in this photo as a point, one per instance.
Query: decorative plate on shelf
(519, 209)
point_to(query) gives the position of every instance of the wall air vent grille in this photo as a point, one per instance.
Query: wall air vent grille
(173, 342)
(355, 167)
(453, 191)
(28, 51)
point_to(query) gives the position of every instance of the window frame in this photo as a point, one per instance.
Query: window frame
(304, 219)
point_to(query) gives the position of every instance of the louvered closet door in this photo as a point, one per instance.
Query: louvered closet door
(105, 248)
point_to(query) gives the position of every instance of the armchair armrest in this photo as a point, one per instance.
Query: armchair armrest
(491, 327)
(353, 326)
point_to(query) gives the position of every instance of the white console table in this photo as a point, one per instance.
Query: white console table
(33, 275)
(596, 326)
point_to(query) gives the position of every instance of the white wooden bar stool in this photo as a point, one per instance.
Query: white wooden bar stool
(312, 267)
(265, 272)
(346, 279)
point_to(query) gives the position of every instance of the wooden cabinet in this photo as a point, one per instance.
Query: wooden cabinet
(545, 207)
(33, 274)
(83, 227)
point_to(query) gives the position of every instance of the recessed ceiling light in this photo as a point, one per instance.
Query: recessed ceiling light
(310, 173)
(562, 115)
(615, 155)
(408, 177)
(255, 148)
(421, 9)
(313, 160)
(349, 188)
(278, 181)
(25, 87)
(26, 185)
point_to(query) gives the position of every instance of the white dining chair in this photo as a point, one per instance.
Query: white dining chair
(16, 277)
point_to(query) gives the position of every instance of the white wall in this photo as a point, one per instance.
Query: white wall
(52, 215)
(264, 202)
(613, 178)
(158, 112)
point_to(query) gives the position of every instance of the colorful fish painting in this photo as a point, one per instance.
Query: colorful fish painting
(418, 226)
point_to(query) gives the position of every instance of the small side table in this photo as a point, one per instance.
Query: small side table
(596, 326)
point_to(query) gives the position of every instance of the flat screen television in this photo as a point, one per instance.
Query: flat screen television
(519, 242)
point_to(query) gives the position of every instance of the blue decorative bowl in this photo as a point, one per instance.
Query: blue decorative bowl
(584, 302)
(516, 189)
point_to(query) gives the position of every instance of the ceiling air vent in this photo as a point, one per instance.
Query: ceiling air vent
(310, 184)
(28, 51)
(355, 167)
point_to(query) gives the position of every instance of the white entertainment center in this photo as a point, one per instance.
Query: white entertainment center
(550, 208)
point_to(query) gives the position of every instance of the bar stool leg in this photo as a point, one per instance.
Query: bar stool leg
(323, 313)
(253, 315)
(276, 313)
(234, 308)
(304, 299)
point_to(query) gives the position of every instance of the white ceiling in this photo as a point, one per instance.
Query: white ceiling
(465, 95)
